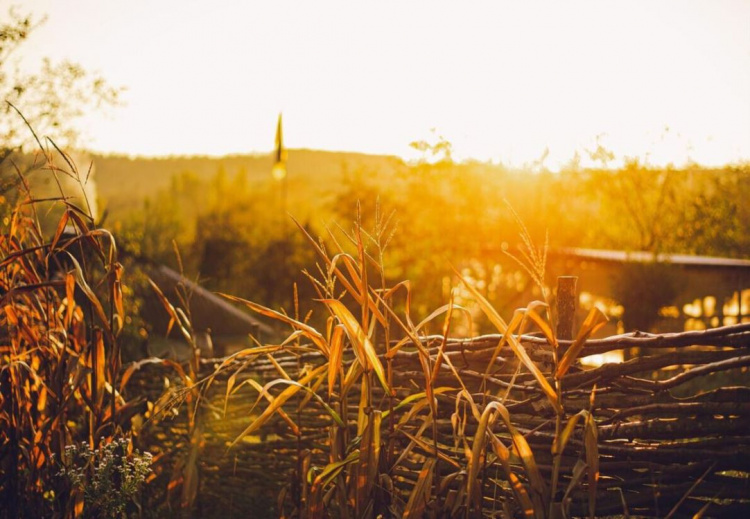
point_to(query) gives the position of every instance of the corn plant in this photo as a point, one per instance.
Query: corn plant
(378, 426)
(185, 473)
(62, 313)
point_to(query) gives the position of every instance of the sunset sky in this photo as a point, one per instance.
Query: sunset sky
(665, 81)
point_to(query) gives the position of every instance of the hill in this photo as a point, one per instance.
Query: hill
(124, 182)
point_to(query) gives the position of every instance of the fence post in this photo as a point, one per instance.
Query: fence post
(567, 301)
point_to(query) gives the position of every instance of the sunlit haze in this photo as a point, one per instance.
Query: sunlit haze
(668, 82)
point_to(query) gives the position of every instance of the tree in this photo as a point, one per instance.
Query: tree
(51, 100)
(643, 289)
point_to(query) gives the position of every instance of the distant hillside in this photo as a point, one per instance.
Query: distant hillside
(124, 182)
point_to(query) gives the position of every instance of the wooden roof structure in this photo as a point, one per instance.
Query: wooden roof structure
(208, 310)
(682, 260)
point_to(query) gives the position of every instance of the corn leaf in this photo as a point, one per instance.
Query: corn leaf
(579, 469)
(336, 345)
(430, 449)
(422, 491)
(352, 375)
(330, 471)
(263, 393)
(70, 286)
(59, 231)
(322, 480)
(522, 448)
(310, 332)
(190, 477)
(448, 308)
(478, 448)
(503, 454)
(278, 402)
(135, 366)
(363, 347)
(532, 312)
(81, 281)
(594, 320)
(517, 348)
(99, 366)
(340, 276)
(558, 445)
(417, 396)
(173, 316)
(369, 456)
(515, 322)
(115, 286)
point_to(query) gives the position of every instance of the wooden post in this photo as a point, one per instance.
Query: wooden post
(567, 302)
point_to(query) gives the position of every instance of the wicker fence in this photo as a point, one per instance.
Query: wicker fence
(673, 426)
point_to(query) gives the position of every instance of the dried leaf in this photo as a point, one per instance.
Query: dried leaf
(517, 348)
(519, 490)
(336, 345)
(369, 456)
(81, 281)
(99, 367)
(594, 320)
(70, 285)
(430, 448)
(422, 491)
(173, 316)
(279, 401)
(310, 332)
(363, 347)
(532, 312)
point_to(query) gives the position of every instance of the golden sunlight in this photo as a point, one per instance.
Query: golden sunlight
(535, 83)
(493, 262)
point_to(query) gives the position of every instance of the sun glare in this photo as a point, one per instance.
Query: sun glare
(525, 84)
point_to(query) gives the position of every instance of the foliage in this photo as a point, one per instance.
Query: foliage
(50, 99)
(109, 477)
(230, 221)
(643, 289)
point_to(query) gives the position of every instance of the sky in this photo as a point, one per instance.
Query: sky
(662, 81)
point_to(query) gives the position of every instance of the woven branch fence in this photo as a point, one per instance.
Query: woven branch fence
(673, 425)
